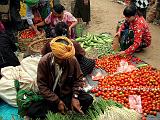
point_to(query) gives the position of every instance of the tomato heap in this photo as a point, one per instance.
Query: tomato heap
(111, 62)
(144, 82)
(27, 34)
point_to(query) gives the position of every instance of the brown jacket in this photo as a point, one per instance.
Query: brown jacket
(70, 81)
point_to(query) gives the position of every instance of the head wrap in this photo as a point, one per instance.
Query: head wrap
(62, 50)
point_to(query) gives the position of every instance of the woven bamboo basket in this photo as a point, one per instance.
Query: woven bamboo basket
(36, 46)
(24, 42)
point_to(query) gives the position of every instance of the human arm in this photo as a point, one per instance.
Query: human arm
(71, 20)
(29, 19)
(46, 21)
(72, 25)
(40, 24)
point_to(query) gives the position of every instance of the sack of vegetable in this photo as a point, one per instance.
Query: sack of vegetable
(27, 36)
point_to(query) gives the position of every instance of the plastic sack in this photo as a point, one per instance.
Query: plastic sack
(98, 74)
(124, 67)
(135, 103)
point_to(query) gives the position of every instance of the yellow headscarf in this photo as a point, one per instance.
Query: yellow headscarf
(61, 50)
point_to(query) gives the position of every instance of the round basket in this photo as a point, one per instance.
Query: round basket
(25, 41)
(36, 46)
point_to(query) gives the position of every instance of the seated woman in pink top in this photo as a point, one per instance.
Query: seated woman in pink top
(59, 14)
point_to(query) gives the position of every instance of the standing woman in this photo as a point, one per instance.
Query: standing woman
(82, 10)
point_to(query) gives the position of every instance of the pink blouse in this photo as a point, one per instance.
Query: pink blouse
(67, 18)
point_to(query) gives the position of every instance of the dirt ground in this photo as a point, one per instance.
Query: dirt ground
(104, 17)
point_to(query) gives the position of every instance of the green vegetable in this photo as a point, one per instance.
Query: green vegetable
(141, 65)
(80, 39)
(88, 49)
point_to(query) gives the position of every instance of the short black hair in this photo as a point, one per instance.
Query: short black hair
(62, 29)
(129, 11)
(58, 8)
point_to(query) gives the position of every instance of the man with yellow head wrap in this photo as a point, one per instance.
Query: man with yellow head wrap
(59, 80)
(62, 47)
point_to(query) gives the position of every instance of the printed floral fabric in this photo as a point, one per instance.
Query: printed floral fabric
(67, 18)
(141, 34)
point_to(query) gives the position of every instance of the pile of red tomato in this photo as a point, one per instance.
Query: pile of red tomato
(111, 62)
(144, 82)
(28, 34)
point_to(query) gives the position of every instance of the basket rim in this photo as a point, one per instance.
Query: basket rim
(35, 42)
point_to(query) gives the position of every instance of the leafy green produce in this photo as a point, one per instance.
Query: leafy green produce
(102, 43)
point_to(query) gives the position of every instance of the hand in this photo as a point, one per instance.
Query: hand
(75, 105)
(61, 107)
(30, 27)
(38, 33)
(121, 53)
(117, 34)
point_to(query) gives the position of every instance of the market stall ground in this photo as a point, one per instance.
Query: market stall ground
(104, 17)
(101, 20)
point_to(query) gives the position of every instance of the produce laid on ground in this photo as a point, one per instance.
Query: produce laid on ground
(99, 110)
(100, 44)
(143, 82)
(111, 62)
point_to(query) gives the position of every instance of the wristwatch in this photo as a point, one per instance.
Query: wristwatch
(75, 96)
